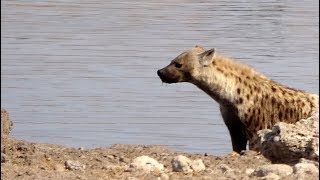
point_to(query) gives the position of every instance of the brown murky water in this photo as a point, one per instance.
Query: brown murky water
(83, 73)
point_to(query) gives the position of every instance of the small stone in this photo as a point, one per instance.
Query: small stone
(81, 148)
(110, 156)
(249, 171)
(164, 176)
(270, 176)
(224, 168)
(132, 178)
(181, 163)
(303, 160)
(4, 158)
(307, 168)
(147, 164)
(276, 138)
(281, 170)
(197, 165)
(74, 165)
(124, 159)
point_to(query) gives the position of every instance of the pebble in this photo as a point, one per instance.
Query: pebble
(281, 170)
(4, 158)
(146, 164)
(74, 165)
(305, 168)
(181, 163)
(197, 165)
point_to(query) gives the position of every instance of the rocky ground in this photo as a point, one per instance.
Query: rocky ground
(26, 160)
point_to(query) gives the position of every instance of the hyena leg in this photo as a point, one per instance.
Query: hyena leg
(253, 144)
(236, 129)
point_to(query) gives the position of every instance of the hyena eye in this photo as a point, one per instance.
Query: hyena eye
(177, 65)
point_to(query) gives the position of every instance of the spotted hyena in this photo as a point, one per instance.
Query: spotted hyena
(249, 101)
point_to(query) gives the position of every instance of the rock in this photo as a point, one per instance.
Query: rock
(303, 160)
(181, 163)
(197, 165)
(74, 165)
(146, 164)
(270, 176)
(164, 176)
(290, 142)
(124, 159)
(110, 156)
(306, 168)
(224, 168)
(4, 158)
(6, 123)
(249, 171)
(281, 170)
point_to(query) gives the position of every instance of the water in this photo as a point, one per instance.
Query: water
(83, 73)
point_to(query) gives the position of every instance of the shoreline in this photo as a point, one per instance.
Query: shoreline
(27, 160)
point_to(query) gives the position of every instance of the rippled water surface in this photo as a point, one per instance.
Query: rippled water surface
(83, 73)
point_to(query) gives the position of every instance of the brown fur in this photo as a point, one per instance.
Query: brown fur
(249, 101)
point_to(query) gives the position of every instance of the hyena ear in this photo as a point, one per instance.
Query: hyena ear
(207, 57)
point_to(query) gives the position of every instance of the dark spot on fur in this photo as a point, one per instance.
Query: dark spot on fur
(312, 98)
(279, 105)
(213, 63)
(311, 105)
(259, 111)
(248, 77)
(256, 99)
(248, 96)
(245, 83)
(290, 93)
(273, 101)
(219, 69)
(287, 115)
(245, 116)
(267, 96)
(240, 100)
(280, 115)
(250, 121)
(238, 90)
(292, 101)
(273, 89)
(303, 104)
(258, 90)
(286, 102)
(249, 110)
(240, 80)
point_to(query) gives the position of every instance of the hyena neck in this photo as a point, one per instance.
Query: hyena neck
(217, 87)
(226, 79)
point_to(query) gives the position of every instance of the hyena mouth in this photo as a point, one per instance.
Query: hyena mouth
(164, 78)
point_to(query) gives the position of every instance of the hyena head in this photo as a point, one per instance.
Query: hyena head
(185, 66)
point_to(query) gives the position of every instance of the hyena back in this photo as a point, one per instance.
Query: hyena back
(249, 101)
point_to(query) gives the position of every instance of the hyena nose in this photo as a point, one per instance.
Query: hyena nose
(159, 73)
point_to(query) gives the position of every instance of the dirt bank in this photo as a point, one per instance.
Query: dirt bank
(26, 160)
